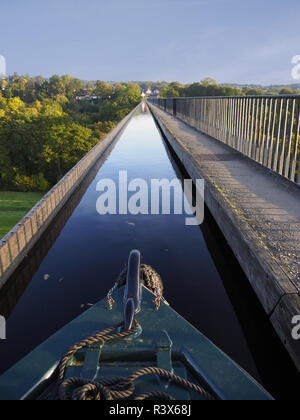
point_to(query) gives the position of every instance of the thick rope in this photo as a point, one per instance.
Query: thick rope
(101, 336)
(148, 277)
(119, 388)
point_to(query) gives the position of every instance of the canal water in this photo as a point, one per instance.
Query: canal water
(81, 254)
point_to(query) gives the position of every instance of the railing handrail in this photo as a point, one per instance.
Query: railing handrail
(296, 96)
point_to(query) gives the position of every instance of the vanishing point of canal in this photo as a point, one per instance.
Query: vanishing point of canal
(81, 254)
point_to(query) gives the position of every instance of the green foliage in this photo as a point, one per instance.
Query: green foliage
(254, 92)
(34, 183)
(104, 90)
(169, 92)
(173, 90)
(41, 183)
(208, 87)
(286, 91)
(45, 130)
(102, 128)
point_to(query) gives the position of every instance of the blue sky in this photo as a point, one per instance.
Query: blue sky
(239, 41)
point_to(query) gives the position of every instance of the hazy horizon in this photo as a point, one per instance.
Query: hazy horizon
(295, 82)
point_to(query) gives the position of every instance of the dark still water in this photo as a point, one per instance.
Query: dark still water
(82, 253)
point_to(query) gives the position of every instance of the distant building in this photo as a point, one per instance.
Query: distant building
(88, 97)
(150, 92)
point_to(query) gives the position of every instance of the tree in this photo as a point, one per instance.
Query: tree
(286, 91)
(56, 86)
(102, 128)
(104, 90)
(72, 86)
(208, 81)
(169, 92)
(65, 142)
(44, 130)
(254, 92)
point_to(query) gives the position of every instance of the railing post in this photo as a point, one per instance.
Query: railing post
(245, 127)
(296, 176)
(252, 112)
(282, 152)
(253, 151)
(258, 144)
(174, 107)
(287, 163)
(235, 123)
(270, 154)
(226, 110)
(275, 161)
(242, 140)
(264, 137)
(239, 124)
(268, 140)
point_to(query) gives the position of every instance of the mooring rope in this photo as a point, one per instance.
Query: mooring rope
(103, 336)
(148, 277)
(117, 388)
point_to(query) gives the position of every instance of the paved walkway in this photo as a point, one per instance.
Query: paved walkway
(264, 207)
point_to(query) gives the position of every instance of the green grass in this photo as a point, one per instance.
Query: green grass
(14, 206)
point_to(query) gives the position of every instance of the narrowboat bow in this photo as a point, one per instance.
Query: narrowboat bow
(144, 350)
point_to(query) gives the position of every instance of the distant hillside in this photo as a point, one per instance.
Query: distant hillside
(271, 88)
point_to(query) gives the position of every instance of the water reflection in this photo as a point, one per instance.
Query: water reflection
(82, 253)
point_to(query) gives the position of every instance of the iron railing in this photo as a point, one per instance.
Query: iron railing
(265, 128)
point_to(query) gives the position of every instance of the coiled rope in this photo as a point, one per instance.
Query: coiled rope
(148, 277)
(118, 388)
